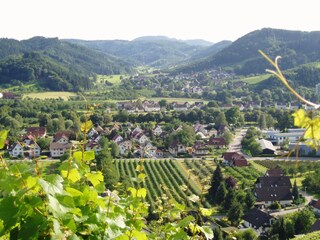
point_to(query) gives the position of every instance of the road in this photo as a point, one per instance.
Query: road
(235, 145)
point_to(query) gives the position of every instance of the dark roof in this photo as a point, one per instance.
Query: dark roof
(315, 204)
(277, 181)
(257, 218)
(276, 172)
(36, 131)
(273, 194)
(315, 226)
(217, 141)
(60, 134)
(240, 162)
(228, 156)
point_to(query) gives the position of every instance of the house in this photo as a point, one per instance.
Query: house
(271, 189)
(92, 132)
(32, 150)
(315, 204)
(275, 172)
(315, 227)
(277, 138)
(16, 150)
(217, 142)
(142, 139)
(157, 131)
(176, 147)
(151, 106)
(257, 219)
(58, 149)
(28, 139)
(304, 149)
(180, 106)
(62, 137)
(125, 146)
(234, 159)
(37, 132)
(117, 138)
(266, 146)
(93, 145)
(201, 149)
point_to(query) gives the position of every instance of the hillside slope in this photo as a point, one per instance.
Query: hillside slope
(38, 58)
(296, 48)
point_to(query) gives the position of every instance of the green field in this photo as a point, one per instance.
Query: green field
(50, 95)
(114, 79)
(169, 100)
(256, 79)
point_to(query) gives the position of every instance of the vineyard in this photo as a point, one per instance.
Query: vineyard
(180, 180)
(202, 170)
(165, 178)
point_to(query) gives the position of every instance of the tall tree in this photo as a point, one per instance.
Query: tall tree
(106, 166)
(216, 179)
(235, 213)
(295, 192)
(221, 193)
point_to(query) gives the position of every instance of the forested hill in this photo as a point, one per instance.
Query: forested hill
(295, 47)
(54, 64)
(156, 51)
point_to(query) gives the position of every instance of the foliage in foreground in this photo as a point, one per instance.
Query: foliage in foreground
(76, 205)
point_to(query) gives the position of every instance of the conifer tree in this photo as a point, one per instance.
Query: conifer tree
(216, 179)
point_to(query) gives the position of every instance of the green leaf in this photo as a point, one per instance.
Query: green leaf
(3, 138)
(142, 192)
(206, 212)
(85, 127)
(185, 222)
(87, 156)
(142, 176)
(53, 185)
(139, 235)
(207, 232)
(139, 168)
(95, 178)
(301, 119)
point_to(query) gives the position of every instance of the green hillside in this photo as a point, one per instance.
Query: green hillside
(296, 48)
(54, 64)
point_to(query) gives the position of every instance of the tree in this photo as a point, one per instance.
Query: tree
(304, 220)
(230, 199)
(221, 193)
(216, 179)
(106, 166)
(295, 192)
(217, 233)
(220, 120)
(248, 234)
(234, 117)
(115, 151)
(44, 143)
(250, 199)
(262, 122)
(235, 213)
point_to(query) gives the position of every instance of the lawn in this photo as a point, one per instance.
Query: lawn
(50, 95)
(114, 79)
(256, 79)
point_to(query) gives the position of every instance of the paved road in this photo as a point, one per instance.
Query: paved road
(235, 145)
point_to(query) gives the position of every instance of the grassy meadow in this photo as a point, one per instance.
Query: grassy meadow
(50, 95)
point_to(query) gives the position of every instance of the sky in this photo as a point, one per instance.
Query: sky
(211, 20)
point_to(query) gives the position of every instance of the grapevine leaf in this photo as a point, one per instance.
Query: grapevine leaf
(74, 175)
(87, 156)
(66, 201)
(8, 212)
(3, 138)
(95, 178)
(206, 212)
(139, 235)
(31, 182)
(207, 232)
(85, 127)
(74, 192)
(142, 192)
(301, 119)
(194, 198)
(139, 168)
(53, 185)
(185, 222)
(141, 176)
(123, 237)
(133, 191)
